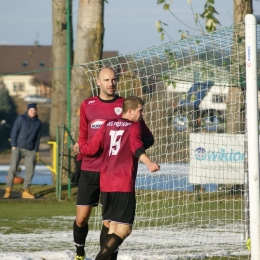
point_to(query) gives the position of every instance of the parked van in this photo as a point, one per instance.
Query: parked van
(201, 106)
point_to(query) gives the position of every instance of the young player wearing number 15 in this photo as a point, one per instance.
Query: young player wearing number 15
(120, 140)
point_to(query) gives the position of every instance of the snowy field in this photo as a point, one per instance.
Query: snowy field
(174, 242)
(186, 243)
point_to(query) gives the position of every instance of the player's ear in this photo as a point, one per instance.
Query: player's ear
(98, 82)
(130, 111)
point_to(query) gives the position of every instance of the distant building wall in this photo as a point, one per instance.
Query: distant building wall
(19, 85)
(35, 61)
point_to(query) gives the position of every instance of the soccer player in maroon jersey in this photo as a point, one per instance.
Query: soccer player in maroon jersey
(94, 112)
(120, 140)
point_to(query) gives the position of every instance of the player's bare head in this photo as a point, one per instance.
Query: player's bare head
(133, 108)
(132, 102)
(107, 82)
(105, 70)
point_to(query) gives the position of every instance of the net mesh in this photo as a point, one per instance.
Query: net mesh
(196, 206)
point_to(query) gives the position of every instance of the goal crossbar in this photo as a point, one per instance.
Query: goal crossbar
(202, 106)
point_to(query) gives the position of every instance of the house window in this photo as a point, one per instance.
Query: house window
(18, 86)
(218, 98)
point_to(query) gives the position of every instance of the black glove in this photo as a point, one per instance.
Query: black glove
(74, 177)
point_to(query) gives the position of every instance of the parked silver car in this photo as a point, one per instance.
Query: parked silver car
(37, 99)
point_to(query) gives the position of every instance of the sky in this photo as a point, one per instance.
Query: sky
(129, 24)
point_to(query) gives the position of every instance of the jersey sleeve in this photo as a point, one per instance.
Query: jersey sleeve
(147, 136)
(83, 125)
(83, 128)
(93, 146)
(136, 143)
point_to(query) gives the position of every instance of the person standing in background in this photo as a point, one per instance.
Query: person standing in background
(25, 140)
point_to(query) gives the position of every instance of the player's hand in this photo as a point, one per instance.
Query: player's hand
(74, 177)
(153, 167)
(76, 148)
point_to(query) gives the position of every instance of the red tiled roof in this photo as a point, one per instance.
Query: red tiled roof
(30, 59)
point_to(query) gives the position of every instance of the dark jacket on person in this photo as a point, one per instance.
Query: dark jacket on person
(26, 132)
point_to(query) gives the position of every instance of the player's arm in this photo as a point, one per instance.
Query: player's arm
(83, 134)
(152, 166)
(83, 131)
(83, 125)
(138, 149)
(147, 136)
(94, 145)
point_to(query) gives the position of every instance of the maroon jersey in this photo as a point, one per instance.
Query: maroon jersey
(93, 113)
(119, 140)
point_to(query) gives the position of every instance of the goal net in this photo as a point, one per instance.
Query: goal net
(197, 205)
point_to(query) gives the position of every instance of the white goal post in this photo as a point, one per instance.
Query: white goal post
(251, 22)
(202, 106)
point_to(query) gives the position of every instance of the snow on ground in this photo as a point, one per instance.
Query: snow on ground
(188, 243)
(151, 243)
(68, 255)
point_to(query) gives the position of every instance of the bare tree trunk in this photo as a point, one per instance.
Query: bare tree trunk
(235, 101)
(241, 8)
(235, 104)
(89, 45)
(59, 80)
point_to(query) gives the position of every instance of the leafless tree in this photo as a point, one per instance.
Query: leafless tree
(89, 45)
(235, 116)
(59, 74)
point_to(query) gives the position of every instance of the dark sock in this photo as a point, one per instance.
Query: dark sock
(114, 255)
(113, 241)
(80, 234)
(103, 236)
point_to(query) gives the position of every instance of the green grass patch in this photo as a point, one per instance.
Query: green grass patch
(162, 209)
(154, 208)
(24, 215)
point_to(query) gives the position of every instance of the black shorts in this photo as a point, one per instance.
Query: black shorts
(88, 189)
(118, 206)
